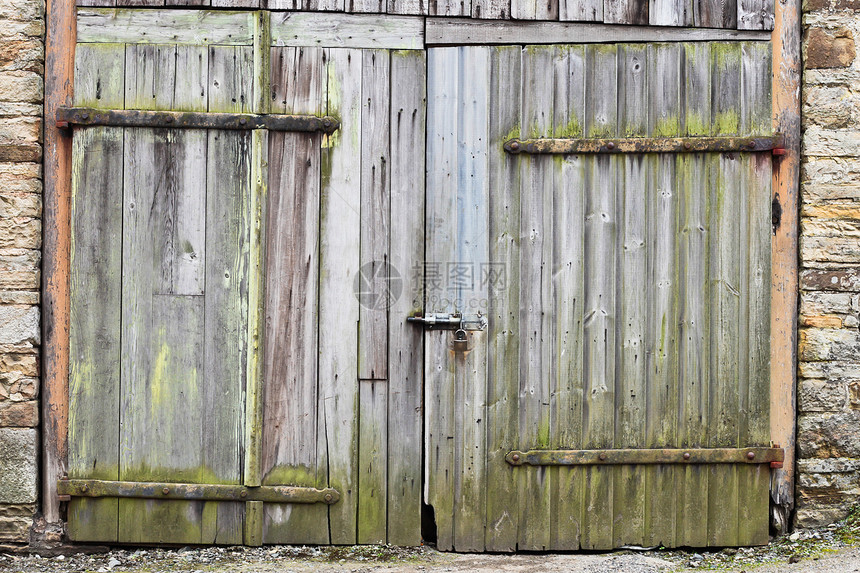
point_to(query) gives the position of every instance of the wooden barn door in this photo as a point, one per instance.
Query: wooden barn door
(620, 392)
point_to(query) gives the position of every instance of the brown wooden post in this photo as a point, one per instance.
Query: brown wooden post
(59, 68)
(786, 183)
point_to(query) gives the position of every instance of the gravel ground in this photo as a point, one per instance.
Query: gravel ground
(835, 549)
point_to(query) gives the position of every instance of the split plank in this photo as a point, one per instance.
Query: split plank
(165, 26)
(626, 12)
(755, 14)
(347, 31)
(715, 13)
(581, 10)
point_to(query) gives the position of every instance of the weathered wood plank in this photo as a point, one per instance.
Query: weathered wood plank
(670, 13)
(754, 387)
(535, 325)
(568, 212)
(459, 31)
(347, 31)
(372, 460)
(94, 338)
(412, 7)
(582, 10)
(290, 399)
(693, 338)
(631, 388)
(449, 7)
(601, 228)
(534, 9)
(755, 14)
(491, 9)
(100, 75)
(664, 69)
(340, 232)
(715, 13)
(502, 514)
(441, 237)
(373, 284)
(725, 287)
(472, 258)
(626, 12)
(235, 3)
(165, 26)
(406, 256)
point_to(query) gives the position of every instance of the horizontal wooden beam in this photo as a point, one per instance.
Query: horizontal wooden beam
(380, 31)
(645, 145)
(459, 31)
(195, 491)
(773, 456)
(165, 26)
(80, 116)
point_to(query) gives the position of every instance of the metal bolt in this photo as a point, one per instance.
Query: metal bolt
(243, 121)
(328, 497)
(165, 491)
(243, 493)
(85, 488)
(610, 145)
(602, 457)
(751, 455)
(85, 115)
(687, 146)
(327, 123)
(168, 119)
(686, 455)
(515, 457)
(751, 144)
(515, 146)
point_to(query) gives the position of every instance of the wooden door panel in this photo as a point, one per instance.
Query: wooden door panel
(636, 310)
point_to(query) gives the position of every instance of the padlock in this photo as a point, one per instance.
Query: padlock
(461, 341)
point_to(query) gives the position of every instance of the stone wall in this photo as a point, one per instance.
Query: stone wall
(22, 30)
(829, 346)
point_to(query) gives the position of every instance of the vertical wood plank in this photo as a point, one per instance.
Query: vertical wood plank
(94, 338)
(626, 12)
(599, 342)
(414, 7)
(366, 6)
(290, 400)
(568, 254)
(669, 13)
(755, 15)
(442, 161)
(372, 282)
(754, 393)
(95, 280)
(503, 353)
(406, 342)
(662, 272)
(631, 391)
(491, 9)
(372, 461)
(694, 378)
(340, 232)
(580, 10)
(449, 7)
(715, 13)
(725, 292)
(534, 9)
(535, 325)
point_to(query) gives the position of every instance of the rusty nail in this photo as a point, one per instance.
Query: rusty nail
(243, 493)
(776, 465)
(165, 491)
(62, 125)
(750, 455)
(85, 115)
(686, 455)
(169, 119)
(328, 497)
(751, 144)
(326, 123)
(515, 457)
(779, 151)
(85, 488)
(602, 457)
(243, 121)
(687, 146)
(515, 146)
(610, 145)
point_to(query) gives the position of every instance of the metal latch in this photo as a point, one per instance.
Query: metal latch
(450, 321)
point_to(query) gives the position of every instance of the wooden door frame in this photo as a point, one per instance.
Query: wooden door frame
(59, 88)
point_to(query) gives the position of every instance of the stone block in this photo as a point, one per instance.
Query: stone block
(818, 303)
(20, 204)
(18, 468)
(826, 435)
(816, 517)
(25, 87)
(832, 107)
(847, 280)
(828, 178)
(829, 48)
(23, 55)
(822, 396)
(819, 344)
(20, 233)
(22, 10)
(19, 414)
(17, 130)
(19, 324)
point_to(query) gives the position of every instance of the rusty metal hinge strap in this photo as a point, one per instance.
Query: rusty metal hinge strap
(195, 491)
(645, 145)
(755, 455)
(84, 117)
